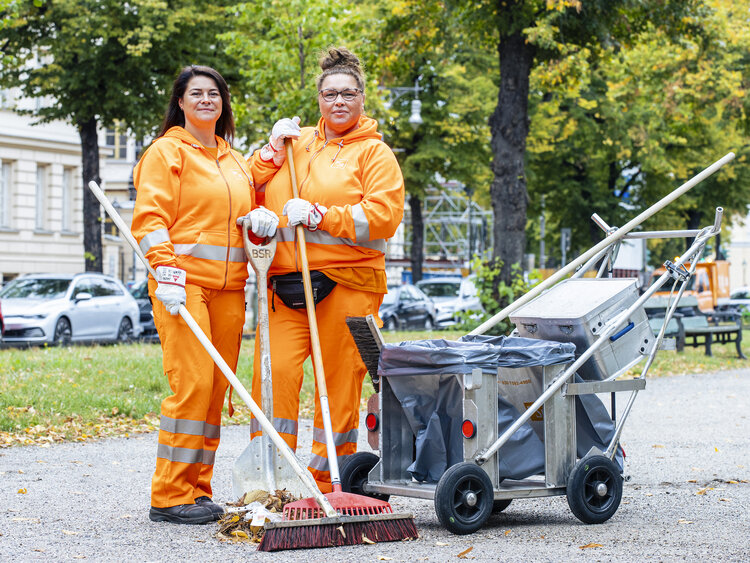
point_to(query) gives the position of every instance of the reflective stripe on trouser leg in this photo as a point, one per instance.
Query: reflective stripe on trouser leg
(226, 310)
(344, 371)
(197, 398)
(290, 345)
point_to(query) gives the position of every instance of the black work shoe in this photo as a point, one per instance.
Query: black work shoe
(182, 514)
(216, 510)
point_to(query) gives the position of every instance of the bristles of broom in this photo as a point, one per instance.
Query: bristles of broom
(369, 341)
(336, 532)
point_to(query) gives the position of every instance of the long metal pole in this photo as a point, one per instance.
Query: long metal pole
(617, 235)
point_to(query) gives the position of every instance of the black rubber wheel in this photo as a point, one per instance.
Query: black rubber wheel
(500, 505)
(354, 471)
(594, 489)
(63, 333)
(390, 324)
(463, 498)
(125, 332)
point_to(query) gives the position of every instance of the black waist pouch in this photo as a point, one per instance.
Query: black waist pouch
(291, 291)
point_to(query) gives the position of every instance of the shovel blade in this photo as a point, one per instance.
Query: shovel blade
(261, 466)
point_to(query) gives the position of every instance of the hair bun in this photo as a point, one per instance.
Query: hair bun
(341, 57)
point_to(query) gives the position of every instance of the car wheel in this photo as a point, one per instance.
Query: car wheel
(428, 323)
(63, 333)
(125, 332)
(390, 324)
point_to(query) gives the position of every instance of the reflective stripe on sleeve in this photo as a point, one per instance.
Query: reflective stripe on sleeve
(361, 225)
(158, 236)
(286, 234)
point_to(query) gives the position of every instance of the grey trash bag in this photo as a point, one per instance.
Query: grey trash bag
(594, 426)
(416, 357)
(523, 454)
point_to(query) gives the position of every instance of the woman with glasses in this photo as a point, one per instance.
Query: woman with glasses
(351, 200)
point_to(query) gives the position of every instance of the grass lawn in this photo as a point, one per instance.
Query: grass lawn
(83, 392)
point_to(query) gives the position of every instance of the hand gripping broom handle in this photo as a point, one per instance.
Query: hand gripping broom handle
(617, 235)
(265, 424)
(317, 355)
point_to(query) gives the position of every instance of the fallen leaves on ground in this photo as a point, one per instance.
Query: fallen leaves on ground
(241, 526)
(590, 545)
(464, 553)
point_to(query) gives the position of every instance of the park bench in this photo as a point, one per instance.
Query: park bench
(692, 327)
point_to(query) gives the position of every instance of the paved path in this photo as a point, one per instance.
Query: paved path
(686, 435)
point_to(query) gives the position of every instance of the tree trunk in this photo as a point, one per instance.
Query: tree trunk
(693, 223)
(416, 252)
(509, 126)
(92, 231)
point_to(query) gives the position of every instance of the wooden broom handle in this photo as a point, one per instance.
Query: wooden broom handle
(317, 354)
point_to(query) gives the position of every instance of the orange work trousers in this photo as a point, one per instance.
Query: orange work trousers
(344, 372)
(191, 416)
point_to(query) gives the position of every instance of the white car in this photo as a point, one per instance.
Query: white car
(64, 308)
(451, 295)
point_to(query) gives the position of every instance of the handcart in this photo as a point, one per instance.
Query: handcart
(449, 428)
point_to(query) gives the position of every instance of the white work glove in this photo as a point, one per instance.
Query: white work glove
(263, 222)
(171, 288)
(302, 212)
(283, 129)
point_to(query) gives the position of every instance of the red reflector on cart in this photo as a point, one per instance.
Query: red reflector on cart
(371, 422)
(468, 429)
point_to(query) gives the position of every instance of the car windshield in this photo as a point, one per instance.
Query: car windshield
(35, 288)
(140, 291)
(391, 297)
(440, 289)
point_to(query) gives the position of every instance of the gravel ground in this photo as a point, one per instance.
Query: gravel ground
(686, 435)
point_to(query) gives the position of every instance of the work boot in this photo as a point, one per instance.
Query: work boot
(216, 510)
(182, 514)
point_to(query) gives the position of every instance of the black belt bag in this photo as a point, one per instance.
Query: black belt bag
(291, 291)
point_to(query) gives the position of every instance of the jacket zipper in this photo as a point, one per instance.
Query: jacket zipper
(229, 218)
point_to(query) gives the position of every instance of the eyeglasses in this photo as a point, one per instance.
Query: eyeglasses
(347, 95)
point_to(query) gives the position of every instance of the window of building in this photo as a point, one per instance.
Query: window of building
(41, 198)
(5, 194)
(67, 200)
(118, 142)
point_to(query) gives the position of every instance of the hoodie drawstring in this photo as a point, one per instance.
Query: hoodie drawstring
(341, 146)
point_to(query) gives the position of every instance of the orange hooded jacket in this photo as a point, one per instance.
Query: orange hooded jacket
(357, 177)
(186, 209)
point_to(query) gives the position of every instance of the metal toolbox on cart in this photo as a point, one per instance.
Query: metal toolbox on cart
(577, 310)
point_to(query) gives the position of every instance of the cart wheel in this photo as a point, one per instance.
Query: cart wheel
(594, 489)
(500, 505)
(354, 470)
(463, 498)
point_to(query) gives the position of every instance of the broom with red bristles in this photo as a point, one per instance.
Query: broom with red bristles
(359, 519)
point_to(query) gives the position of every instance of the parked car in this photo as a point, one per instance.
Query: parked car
(139, 291)
(406, 306)
(451, 296)
(2, 323)
(64, 308)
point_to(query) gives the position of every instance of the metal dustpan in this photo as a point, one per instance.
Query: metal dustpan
(261, 466)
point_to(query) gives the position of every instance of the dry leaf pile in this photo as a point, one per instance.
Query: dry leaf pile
(237, 525)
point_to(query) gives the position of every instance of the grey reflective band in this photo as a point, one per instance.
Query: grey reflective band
(210, 252)
(185, 455)
(286, 234)
(361, 225)
(158, 236)
(284, 425)
(339, 438)
(189, 427)
(318, 463)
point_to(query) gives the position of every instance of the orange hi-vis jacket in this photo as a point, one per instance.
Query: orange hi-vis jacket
(357, 178)
(187, 206)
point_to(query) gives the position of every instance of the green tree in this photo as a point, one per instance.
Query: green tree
(103, 62)
(615, 133)
(526, 33)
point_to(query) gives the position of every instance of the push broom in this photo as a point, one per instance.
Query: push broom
(305, 523)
